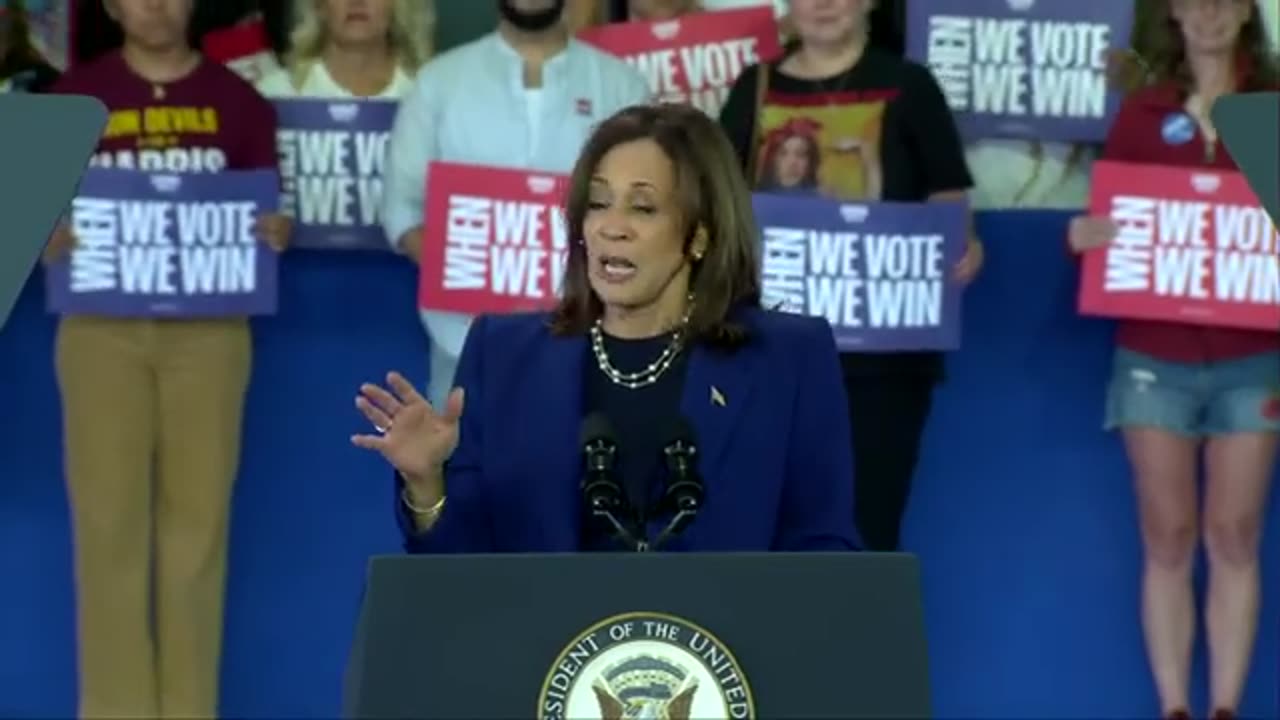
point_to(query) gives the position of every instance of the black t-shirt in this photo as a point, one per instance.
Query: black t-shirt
(641, 418)
(881, 130)
(27, 77)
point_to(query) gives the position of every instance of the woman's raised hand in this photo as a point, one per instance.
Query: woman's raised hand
(413, 436)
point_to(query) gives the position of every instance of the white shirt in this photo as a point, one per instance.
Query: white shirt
(1008, 175)
(469, 105)
(1270, 11)
(254, 66)
(318, 83)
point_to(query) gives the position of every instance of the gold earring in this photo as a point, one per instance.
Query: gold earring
(699, 239)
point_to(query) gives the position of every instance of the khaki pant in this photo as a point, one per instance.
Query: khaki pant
(151, 426)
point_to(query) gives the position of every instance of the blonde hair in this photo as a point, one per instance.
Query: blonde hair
(412, 36)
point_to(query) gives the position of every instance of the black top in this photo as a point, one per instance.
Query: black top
(28, 77)
(641, 419)
(905, 147)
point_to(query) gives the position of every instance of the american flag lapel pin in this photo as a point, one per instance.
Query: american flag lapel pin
(717, 397)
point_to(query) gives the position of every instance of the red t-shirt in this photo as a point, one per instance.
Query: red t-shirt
(1152, 127)
(207, 121)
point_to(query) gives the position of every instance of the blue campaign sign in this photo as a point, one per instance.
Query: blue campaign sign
(332, 155)
(1023, 68)
(167, 245)
(881, 274)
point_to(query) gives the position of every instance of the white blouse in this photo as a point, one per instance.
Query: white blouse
(320, 84)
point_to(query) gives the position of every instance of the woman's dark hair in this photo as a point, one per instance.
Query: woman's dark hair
(888, 22)
(1159, 52)
(712, 196)
(96, 33)
(19, 52)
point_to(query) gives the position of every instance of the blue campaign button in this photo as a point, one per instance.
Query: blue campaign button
(1178, 128)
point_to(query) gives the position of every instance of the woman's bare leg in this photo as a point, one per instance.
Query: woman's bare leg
(1164, 471)
(1239, 467)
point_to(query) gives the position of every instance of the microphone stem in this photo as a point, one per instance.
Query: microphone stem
(673, 527)
(621, 532)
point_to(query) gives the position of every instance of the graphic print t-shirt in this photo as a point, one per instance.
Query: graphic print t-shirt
(880, 131)
(208, 121)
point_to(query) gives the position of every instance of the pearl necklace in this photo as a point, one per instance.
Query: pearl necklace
(650, 374)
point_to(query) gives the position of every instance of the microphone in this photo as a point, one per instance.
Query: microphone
(684, 491)
(601, 493)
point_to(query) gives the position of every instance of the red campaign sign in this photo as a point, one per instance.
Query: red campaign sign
(236, 42)
(494, 239)
(694, 58)
(245, 48)
(1193, 246)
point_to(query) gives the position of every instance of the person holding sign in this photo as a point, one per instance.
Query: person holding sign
(354, 48)
(333, 152)
(661, 344)
(845, 119)
(1178, 390)
(525, 96)
(152, 407)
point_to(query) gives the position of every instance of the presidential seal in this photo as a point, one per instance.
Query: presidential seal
(646, 666)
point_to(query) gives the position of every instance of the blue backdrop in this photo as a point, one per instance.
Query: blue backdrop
(1023, 514)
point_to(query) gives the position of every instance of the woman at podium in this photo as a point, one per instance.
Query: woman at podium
(657, 406)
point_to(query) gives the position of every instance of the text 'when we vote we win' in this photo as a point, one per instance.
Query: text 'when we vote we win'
(1021, 67)
(1193, 249)
(511, 248)
(332, 177)
(857, 280)
(142, 246)
(700, 75)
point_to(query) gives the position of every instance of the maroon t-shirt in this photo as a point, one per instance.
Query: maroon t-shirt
(207, 121)
(1137, 136)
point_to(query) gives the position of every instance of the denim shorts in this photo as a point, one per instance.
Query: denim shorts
(1196, 399)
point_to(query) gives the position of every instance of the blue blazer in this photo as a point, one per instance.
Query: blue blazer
(773, 448)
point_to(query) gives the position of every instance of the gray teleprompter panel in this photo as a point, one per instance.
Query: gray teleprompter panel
(1249, 124)
(45, 145)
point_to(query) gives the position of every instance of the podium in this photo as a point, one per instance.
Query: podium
(608, 636)
(46, 141)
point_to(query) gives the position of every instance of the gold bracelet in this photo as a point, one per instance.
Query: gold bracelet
(432, 511)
